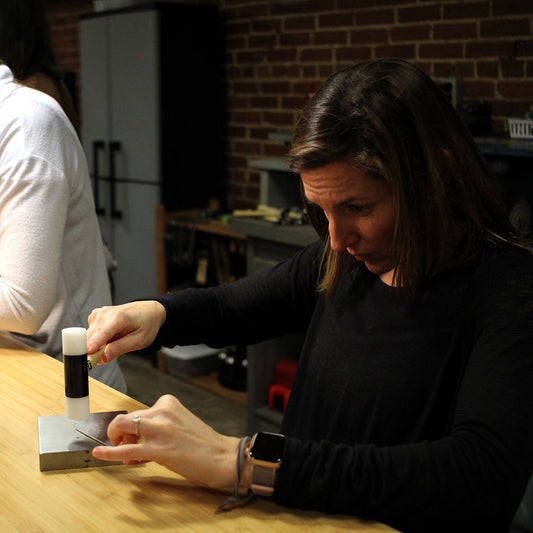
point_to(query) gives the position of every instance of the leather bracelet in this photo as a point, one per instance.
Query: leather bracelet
(237, 499)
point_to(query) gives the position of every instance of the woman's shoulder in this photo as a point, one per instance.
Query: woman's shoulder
(507, 265)
(505, 281)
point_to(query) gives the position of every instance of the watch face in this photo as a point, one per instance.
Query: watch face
(267, 447)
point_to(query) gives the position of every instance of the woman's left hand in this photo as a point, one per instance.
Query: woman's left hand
(175, 438)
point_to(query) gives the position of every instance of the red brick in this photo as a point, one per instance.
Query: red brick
(259, 133)
(523, 48)
(441, 50)
(487, 69)
(330, 37)
(247, 117)
(466, 9)
(301, 87)
(280, 118)
(511, 7)
(465, 30)
(286, 71)
(275, 150)
(246, 147)
(419, 32)
(237, 161)
(317, 6)
(235, 131)
(264, 102)
(251, 11)
(349, 4)
(235, 43)
(374, 17)
(512, 68)
(332, 20)
(418, 13)
(267, 25)
(504, 28)
(369, 36)
(293, 103)
(309, 71)
(516, 89)
(249, 57)
(478, 90)
(316, 54)
(295, 39)
(261, 41)
(275, 87)
(509, 108)
(261, 71)
(529, 69)
(282, 55)
(284, 8)
(245, 87)
(485, 49)
(237, 28)
(405, 51)
(299, 23)
(353, 54)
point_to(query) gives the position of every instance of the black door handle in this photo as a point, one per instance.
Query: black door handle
(114, 146)
(97, 146)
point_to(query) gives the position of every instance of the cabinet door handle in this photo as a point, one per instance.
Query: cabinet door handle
(97, 146)
(114, 146)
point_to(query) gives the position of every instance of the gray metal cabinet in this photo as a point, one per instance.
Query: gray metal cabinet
(148, 75)
(267, 245)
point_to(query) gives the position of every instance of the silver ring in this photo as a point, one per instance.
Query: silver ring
(136, 419)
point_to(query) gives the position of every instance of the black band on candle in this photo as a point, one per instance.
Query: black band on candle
(76, 376)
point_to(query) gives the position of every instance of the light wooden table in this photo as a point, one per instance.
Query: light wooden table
(109, 498)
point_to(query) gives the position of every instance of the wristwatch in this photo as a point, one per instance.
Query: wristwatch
(266, 454)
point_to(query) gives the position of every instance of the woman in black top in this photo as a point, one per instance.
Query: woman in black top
(412, 400)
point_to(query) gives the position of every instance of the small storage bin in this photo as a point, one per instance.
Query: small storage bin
(191, 361)
(520, 128)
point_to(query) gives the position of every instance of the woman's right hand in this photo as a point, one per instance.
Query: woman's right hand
(124, 328)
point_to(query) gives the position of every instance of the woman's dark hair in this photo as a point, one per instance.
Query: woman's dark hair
(390, 119)
(25, 44)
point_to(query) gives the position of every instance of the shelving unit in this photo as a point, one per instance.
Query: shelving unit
(267, 245)
(193, 250)
(511, 160)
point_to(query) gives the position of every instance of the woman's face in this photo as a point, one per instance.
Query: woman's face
(360, 213)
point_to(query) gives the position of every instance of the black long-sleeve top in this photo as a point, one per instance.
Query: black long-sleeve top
(417, 414)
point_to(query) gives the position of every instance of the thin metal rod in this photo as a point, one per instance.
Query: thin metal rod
(92, 437)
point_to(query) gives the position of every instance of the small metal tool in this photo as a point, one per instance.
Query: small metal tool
(101, 442)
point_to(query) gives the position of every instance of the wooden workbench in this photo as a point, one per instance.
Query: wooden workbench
(110, 498)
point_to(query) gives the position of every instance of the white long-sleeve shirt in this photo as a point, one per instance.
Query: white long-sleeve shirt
(52, 266)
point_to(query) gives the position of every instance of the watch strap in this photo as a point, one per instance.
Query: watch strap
(263, 480)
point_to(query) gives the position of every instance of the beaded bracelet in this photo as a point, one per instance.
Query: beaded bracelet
(237, 499)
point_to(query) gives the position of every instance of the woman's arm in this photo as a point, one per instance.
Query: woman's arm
(246, 311)
(252, 309)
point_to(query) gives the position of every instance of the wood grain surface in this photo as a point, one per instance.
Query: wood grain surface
(145, 498)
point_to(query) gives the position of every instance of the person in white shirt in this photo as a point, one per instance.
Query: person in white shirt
(52, 265)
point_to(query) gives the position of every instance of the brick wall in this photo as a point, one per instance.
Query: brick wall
(63, 16)
(276, 50)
